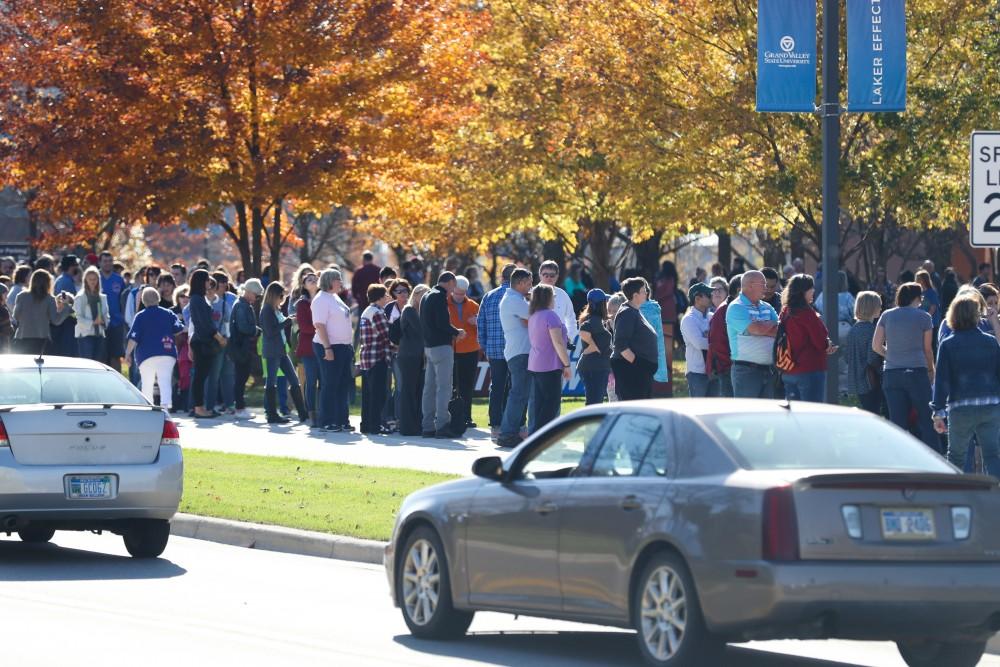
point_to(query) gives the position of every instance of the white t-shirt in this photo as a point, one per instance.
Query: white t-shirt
(330, 311)
(564, 309)
(694, 328)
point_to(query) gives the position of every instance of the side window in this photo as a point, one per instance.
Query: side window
(560, 456)
(630, 442)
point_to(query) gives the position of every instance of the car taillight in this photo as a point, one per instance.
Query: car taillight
(780, 525)
(171, 436)
(4, 440)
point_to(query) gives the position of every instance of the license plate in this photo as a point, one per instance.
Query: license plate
(908, 524)
(90, 487)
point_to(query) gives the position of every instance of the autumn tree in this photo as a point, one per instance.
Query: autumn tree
(218, 113)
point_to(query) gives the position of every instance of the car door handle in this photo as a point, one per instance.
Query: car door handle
(630, 503)
(546, 508)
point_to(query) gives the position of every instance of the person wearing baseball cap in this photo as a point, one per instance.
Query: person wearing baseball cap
(694, 329)
(594, 365)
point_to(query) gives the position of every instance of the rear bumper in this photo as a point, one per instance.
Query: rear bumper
(37, 493)
(876, 601)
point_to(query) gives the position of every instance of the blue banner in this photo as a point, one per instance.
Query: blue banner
(876, 55)
(786, 55)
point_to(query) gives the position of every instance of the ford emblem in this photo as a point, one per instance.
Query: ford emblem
(87, 424)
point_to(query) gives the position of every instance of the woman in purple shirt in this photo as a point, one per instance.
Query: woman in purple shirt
(548, 360)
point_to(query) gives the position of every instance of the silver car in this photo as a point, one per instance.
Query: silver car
(701, 522)
(82, 449)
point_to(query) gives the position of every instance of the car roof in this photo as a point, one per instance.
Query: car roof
(10, 362)
(696, 407)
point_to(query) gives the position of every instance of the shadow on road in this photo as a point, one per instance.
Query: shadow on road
(50, 562)
(579, 649)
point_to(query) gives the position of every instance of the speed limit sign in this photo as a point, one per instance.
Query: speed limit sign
(984, 203)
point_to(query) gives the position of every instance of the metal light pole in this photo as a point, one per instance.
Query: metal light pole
(831, 183)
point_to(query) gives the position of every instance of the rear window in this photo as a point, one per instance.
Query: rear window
(26, 386)
(801, 439)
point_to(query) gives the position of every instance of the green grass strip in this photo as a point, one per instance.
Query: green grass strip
(332, 498)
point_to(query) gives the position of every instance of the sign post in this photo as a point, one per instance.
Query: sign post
(831, 184)
(984, 196)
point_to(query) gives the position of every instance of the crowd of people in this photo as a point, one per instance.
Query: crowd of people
(918, 352)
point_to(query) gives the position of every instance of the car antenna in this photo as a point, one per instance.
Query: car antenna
(786, 404)
(40, 359)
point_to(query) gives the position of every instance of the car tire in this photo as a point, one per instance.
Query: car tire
(423, 588)
(937, 654)
(670, 628)
(147, 538)
(36, 534)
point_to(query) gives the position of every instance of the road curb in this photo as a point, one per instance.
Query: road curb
(277, 538)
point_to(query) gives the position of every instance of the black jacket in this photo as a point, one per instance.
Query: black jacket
(435, 320)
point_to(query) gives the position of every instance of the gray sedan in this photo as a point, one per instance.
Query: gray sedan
(701, 522)
(82, 449)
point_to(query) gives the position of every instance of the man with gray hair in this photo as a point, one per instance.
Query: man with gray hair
(751, 324)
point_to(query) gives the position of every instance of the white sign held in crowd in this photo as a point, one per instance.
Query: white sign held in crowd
(984, 201)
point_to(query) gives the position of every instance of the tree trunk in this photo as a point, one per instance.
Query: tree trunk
(242, 240)
(276, 243)
(725, 250)
(555, 251)
(256, 240)
(647, 256)
(797, 241)
(601, 234)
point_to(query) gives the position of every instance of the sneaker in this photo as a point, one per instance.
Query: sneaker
(347, 428)
(444, 434)
(231, 412)
(471, 424)
(427, 434)
(243, 414)
(331, 429)
(510, 441)
(278, 419)
(494, 433)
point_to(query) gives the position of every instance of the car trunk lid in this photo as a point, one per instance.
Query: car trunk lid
(83, 435)
(901, 516)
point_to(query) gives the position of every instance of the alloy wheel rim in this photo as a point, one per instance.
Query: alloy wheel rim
(421, 582)
(664, 613)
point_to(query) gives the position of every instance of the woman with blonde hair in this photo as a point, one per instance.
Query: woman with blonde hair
(410, 364)
(92, 316)
(864, 366)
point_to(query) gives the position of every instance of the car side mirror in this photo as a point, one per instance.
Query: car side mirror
(489, 467)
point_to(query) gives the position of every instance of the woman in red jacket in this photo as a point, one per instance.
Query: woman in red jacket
(808, 342)
(307, 284)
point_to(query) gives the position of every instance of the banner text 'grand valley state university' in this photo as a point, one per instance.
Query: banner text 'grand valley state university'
(786, 56)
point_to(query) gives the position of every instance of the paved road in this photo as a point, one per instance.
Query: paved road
(81, 601)
(257, 437)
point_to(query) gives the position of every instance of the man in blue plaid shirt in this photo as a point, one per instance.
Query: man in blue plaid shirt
(491, 340)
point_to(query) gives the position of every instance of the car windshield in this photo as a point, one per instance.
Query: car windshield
(801, 439)
(26, 386)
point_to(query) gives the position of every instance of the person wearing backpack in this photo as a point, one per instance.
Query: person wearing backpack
(802, 343)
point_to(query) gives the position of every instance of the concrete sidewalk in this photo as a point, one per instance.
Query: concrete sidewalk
(298, 441)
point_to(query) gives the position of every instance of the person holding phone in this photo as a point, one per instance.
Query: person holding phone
(808, 342)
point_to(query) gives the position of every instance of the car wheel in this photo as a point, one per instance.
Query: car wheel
(424, 589)
(147, 538)
(35, 534)
(667, 615)
(936, 654)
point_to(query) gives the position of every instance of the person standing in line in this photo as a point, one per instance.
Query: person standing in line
(514, 317)
(548, 274)
(206, 343)
(374, 359)
(36, 311)
(864, 377)
(651, 310)
(808, 343)
(21, 276)
(6, 323)
(399, 293)
(751, 325)
(367, 275)
(166, 285)
(931, 301)
(182, 397)
(476, 291)
(694, 330)
(151, 347)
(548, 360)
(332, 346)
(439, 354)
(594, 365)
(222, 379)
(308, 287)
(113, 285)
(904, 338)
(615, 302)
(489, 333)
(7, 266)
(274, 350)
(92, 316)
(634, 355)
(983, 274)
(63, 336)
(772, 288)
(967, 386)
(666, 295)
(719, 363)
(410, 364)
(242, 348)
(949, 288)
(720, 292)
(463, 313)
(179, 273)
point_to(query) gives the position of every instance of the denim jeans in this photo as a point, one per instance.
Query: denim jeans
(546, 398)
(981, 421)
(439, 372)
(725, 384)
(595, 385)
(872, 401)
(372, 397)
(273, 364)
(753, 381)
(698, 385)
(335, 380)
(213, 378)
(809, 387)
(517, 399)
(311, 366)
(907, 388)
(499, 388)
(227, 381)
(92, 347)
